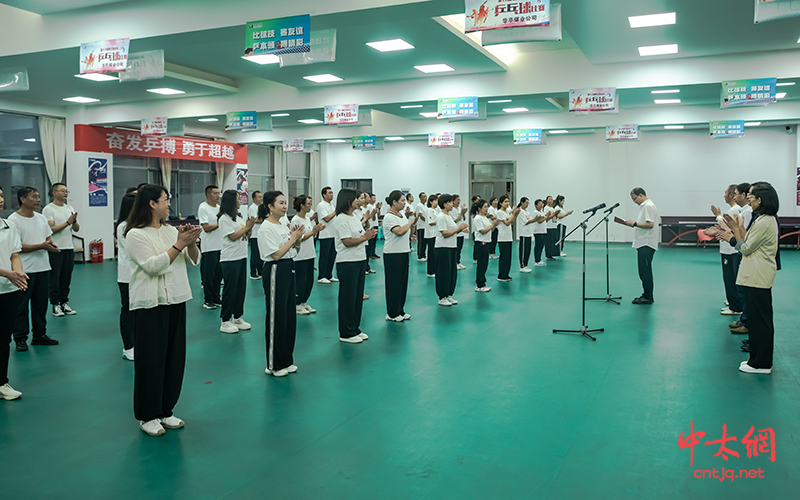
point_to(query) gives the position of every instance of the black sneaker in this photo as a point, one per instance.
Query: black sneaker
(21, 346)
(642, 301)
(44, 340)
(208, 305)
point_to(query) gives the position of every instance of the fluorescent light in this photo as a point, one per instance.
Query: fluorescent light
(434, 68)
(97, 77)
(780, 95)
(280, 114)
(29, 140)
(326, 78)
(673, 127)
(263, 59)
(207, 119)
(409, 107)
(390, 45)
(336, 140)
(310, 121)
(783, 84)
(670, 91)
(652, 20)
(430, 114)
(166, 91)
(502, 100)
(81, 100)
(558, 131)
(395, 138)
(515, 110)
(657, 50)
(667, 101)
(752, 124)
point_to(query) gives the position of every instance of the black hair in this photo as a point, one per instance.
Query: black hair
(141, 214)
(325, 190)
(227, 205)
(538, 200)
(431, 199)
(637, 191)
(769, 198)
(730, 190)
(140, 186)
(299, 201)
(476, 207)
(558, 200)
(445, 198)
(24, 192)
(475, 198)
(492, 199)
(345, 199)
(521, 201)
(743, 188)
(254, 194)
(131, 190)
(125, 207)
(269, 199)
(421, 193)
(408, 196)
(209, 189)
(501, 200)
(394, 196)
(54, 186)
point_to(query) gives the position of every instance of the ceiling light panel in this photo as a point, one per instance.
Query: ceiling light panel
(412, 106)
(263, 59)
(558, 131)
(82, 100)
(501, 100)
(780, 95)
(658, 50)
(652, 20)
(784, 84)
(166, 91)
(325, 78)
(208, 119)
(310, 121)
(280, 114)
(97, 77)
(667, 101)
(668, 91)
(752, 124)
(673, 127)
(390, 45)
(395, 138)
(433, 68)
(430, 114)
(336, 140)
(515, 110)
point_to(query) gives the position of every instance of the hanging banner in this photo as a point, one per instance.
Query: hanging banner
(343, 114)
(622, 133)
(154, 126)
(726, 129)
(497, 14)
(798, 187)
(126, 142)
(770, 10)
(442, 140)
(527, 136)
(104, 56)
(287, 35)
(294, 146)
(534, 34)
(241, 185)
(758, 92)
(323, 49)
(12, 79)
(98, 182)
(593, 100)
(241, 120)
(363, 142)
(143, 66)
(457, 107)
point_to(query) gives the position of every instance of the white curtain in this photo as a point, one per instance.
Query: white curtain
(166, 172)
(52, 132)
(280, 170)
(220, 174)
(316, 175)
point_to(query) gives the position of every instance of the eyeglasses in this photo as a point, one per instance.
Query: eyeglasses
(61, 191)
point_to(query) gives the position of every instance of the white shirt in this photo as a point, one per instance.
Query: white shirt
(349, 226)
(33, 231)
(478, 223)
(523, 228)
(252, 211)
(10, 242)
(154, 281)
(445, 223)
(553, 222)
(562, 212)
(231, 250)
(271, 237)
(372, 223)
(746, 213)
(212, 241)
(431, 218)
(59, 215)
(646, 237)
(324, 209)
(504, 233)
(307, 250)
(538, 227)
(394, 243)
(420, 210)
(455, 212)
(725, 247)
(123, 261)
(492, 211)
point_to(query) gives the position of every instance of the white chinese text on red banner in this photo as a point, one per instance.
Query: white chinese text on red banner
(154, 126)
(484, 15)
(622, 133)
(726, 129)
(442, 140)
(104, 56)
(758, 92)
(593, 100)
(294, 146)
(343, 114)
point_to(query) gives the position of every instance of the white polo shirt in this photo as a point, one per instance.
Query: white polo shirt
(59, 215)
(252, 211)
(479, 223)
(349, 226)
(324, 209)
(647, 237)
(32, 231)
(10, 242)
(394, 243)
(271, 237)
(212, 241)
(445, 223)
(231, 250)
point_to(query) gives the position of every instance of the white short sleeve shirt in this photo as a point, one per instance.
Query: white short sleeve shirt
(523, 228)
(307, 250)
(123, 261)
(32, 231)
(231, 250)
(445, 223)
(9, 243)
(647, 237)
(394, 243)
(59, 215)
(271, 237)
(479, 223)
(212, 241)
(504, 232)
(349, 226)
(324, 209)
(253, 212)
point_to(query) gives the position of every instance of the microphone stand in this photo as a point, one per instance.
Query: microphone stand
(584, 330)
(608, 297)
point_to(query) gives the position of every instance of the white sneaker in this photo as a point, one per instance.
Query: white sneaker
(241, 324)
(406, 317)
(128, 354)
(726, 303)
(67, 309)
(493, 256)
(172, 422)
(460, 266)
(363, 336)
(431, 276)
(351, 340)
(746, 368)
(483, 289)
(563, 254)
(729, 312)
(324, 281)
(474, 261)
(444, 302)
(452, 300)
(334, 280)
(57, 311)
(291, 368)
(228, 327)
(397, 319)
(424, 259)
(540, 264)
(8, 393)
(525, 270)
(152, 427)
(301, 310)
(310, 309)
(277, 373)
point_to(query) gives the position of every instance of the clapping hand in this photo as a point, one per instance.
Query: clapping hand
(317, 228)
(736, 224)
(371, 233)
(50, 246)
(72, 219)
(716, 211)
(18, 279)
(188, 234)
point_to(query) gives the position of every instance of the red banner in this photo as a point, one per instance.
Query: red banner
(128, 142)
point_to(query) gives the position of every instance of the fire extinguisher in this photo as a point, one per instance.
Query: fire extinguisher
(96, 251)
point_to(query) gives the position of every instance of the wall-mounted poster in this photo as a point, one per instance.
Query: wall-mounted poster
(104, 56)
(758, 92)
(294, 146)
(593, 100)
(622, 133)
(726, 129)
(98, 182)
(154, 126)
(287, 35)
(342, 114)
(241, 184)
(442, 140)
(484, 15)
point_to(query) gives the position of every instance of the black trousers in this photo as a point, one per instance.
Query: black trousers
(524, 251)
(446, 272)
(493, 248)
(482, 251)
(760, 326)
(233, 292)
(125, 316)
(371, 245)
(430, 243)
(327, 257)
(645, 260)
(304, 280)
(9, 305)
(562, 232)
(459, 246)
(474, 248)
(550, 249)
(160, 338)
(255, 258)
(421, 243)
(351, 296)
(737, 260)
(36, 295)
(281, 319)
(729, 280)
(539, 239)
(395, 267)
(504, 267)
(211, 276)
(61, 264)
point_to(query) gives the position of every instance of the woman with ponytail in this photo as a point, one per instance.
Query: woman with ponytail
(304, 260)
(397, 233)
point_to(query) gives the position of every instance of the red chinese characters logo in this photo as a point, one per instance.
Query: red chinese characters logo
(762, 443)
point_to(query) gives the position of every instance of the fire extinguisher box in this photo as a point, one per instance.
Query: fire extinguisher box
(96, 251)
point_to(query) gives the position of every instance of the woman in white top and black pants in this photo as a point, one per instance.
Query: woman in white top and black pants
(505, 237)
(420, 210)
(458, 215)
(397, 233)
(277, 245)
(446, 246)
(483, 228)
(159, 290)
(233, 261)
(431, 217)
(304, 260)
(539, 232)
(562, 228)
(550, 248)
(492, 215)
(124, 278)
(525, 234)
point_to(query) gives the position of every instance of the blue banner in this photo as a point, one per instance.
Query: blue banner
(528, 136)
(287, 35)
(756, 92)
(725, 129)
(362, 142)
(458, 107)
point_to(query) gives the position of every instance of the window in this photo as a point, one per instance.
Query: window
(21, 160)
(188, 187)
(130, 171)
(260, 173)
(298, 172)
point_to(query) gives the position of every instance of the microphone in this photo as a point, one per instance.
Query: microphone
(595, 209)
(610, 209)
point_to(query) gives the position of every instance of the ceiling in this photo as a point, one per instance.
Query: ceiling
(53, 6)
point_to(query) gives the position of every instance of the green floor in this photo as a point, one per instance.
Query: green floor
(479, 400)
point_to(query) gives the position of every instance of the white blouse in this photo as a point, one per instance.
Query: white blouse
(123, 261)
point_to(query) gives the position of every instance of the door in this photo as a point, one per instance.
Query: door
(490, 179)
(364, 185)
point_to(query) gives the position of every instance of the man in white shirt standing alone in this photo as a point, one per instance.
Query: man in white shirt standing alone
(645, 241)
(327, 249)
(256, 263)
(211, 247)
(63, 220)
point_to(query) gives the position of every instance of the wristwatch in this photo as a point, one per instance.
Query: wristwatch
(634, 224)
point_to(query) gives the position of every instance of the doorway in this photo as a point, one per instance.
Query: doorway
(363, 185)
(490, 179)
